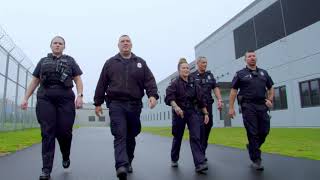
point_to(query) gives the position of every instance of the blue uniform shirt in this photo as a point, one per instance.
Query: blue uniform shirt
(253, 84)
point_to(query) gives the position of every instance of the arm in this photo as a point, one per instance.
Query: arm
(232, 97)
(217, 93)
(269, 100)
(32, 86)
(151, 87)
(79, 86)
(100, 91)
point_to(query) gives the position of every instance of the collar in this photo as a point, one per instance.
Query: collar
(120, 58)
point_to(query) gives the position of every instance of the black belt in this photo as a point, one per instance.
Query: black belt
(254, 101)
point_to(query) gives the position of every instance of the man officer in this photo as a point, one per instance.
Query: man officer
(254, 83)
(122, 82)
(208, 83)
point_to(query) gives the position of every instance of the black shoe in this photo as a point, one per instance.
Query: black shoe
(130, 168)
(44, 176)
(122, 173)
(257, 165)
(205, 159)
(201, 168)
(174, 164)
(66, 163)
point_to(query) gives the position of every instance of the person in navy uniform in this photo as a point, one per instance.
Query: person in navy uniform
(208, 83)
(187, 100)
(122, 82)
(56, 102)
(255, 98)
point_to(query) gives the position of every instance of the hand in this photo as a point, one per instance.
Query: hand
(231, 113)
(24, 105)
(220, 104)
(178, 111)
(79, 102)
(152, 102)
(269, 103)
(98, 111)
(206, 119)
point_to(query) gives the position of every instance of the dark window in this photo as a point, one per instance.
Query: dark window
(299, 14)
(244, 38)
(269, 25)
(168, 114)
(280, 98)
(310, 93)
(102, 118)
(92, 118)
(160, 116)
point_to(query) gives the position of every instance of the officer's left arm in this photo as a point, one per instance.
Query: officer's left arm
(270, 92)
(79, 85)
(150, 84)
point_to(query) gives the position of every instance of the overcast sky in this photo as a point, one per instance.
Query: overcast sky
(161, 31)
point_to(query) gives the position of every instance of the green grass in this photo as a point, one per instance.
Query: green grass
(295, 142)
(11, 141)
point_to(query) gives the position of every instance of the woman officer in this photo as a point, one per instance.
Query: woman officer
(56, 103)
(186, 99)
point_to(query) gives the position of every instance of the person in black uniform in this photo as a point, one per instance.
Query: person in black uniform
(207, 83)
(255, 98)
(122, 82)
(56, 103)
(187, 100)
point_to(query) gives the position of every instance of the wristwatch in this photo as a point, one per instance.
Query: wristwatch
(80, 95)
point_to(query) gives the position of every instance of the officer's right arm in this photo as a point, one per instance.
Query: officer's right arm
(170, 99)
(32, 86)
(233, 95)
(101, 88)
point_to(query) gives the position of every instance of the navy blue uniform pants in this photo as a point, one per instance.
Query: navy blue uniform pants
(125, 126)
(55, 112)
(207, 129)
(194, 122)
(257, 123)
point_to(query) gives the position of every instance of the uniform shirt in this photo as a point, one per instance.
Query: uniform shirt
(207, 83)
(75, 69)
(185, 94)
(125, 79)
(252, 84)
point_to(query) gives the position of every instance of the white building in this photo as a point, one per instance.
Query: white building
(285, 35)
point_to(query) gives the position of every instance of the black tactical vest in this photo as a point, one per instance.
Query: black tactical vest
(56, 72)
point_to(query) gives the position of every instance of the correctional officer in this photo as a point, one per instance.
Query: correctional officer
(56, 103)
(255, 98)
(122, 82)
(208, 83)
(186, 99)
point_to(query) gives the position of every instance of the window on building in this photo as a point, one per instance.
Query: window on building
(310, 93)
(280, 98)
(300, 14)
(102, 118)
(244, 38)
(269, 25)
(92, 118)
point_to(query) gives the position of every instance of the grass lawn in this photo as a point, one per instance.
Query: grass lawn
(11, 141)
(295, 142)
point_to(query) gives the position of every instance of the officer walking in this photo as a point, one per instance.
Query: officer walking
(208, 83)
(187, 99)
(254, 83)
(122, 82)
(56, 104)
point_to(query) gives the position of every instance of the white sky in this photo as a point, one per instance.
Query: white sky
(162, 31)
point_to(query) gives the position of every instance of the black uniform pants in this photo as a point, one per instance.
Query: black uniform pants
(207, 129)
(194, 122)
(125, 126)
(55, 112)
(257, 123)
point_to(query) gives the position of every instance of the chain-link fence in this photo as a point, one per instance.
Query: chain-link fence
(15, 75)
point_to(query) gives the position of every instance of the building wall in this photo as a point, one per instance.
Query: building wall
(291, 59)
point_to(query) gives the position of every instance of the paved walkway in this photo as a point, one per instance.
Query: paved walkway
(92, 159)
